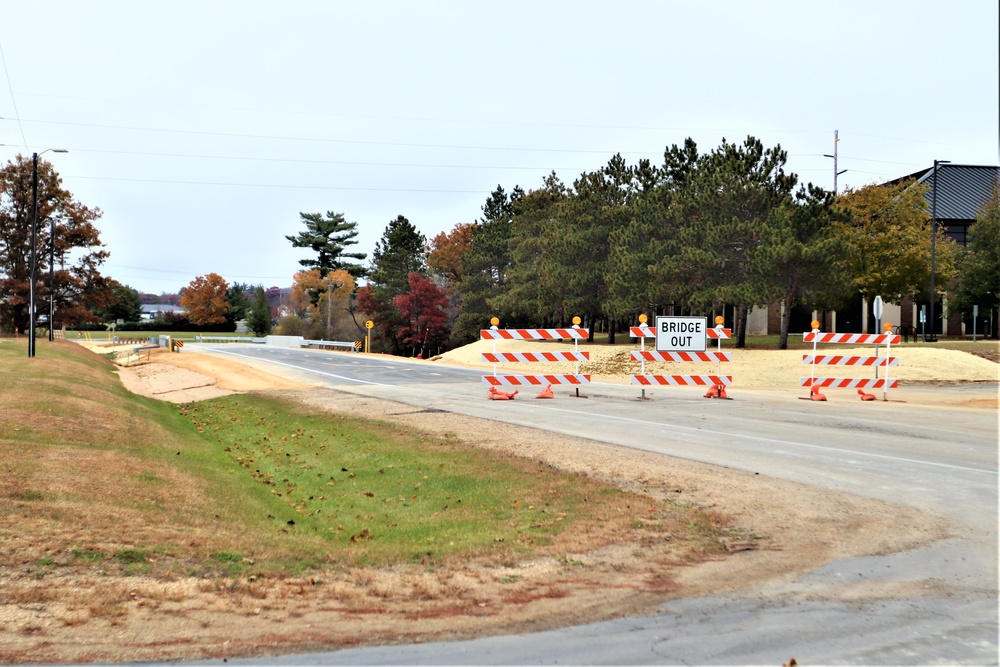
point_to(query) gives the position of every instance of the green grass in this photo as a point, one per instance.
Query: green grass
(132, 485)
(373, 490)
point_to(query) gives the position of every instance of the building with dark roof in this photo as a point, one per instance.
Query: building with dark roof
(962, 190)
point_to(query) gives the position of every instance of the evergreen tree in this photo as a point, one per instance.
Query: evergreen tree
(236, 295)
(400, 252)
(727, 197)
(124, 304)
(979, 281)
(527, 298)
(486, 265)
(641, 275)
(574, 262)
(259, 314)
(328, 237)
(798, 254)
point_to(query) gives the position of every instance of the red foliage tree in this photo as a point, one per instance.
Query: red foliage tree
(424, 313)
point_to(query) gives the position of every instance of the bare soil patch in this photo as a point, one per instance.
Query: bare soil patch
(775, 530)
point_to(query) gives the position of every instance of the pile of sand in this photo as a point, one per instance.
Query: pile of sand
(749, 368)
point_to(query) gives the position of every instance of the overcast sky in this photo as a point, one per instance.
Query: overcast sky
(202, 129)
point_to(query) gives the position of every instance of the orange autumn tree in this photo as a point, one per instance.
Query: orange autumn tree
(323, 301)
(306, 286)
(205, 300)
(447, 250)
(446, 257)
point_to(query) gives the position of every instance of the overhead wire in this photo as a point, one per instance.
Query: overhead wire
(13, 101)
(301, 161)
(423, 119)
(271, 185)
(237, 135)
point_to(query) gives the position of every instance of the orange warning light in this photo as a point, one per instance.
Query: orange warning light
(815, 324)
(719, 319)
(494, 321)
(643, 319)
(576, 321)
(888, 327)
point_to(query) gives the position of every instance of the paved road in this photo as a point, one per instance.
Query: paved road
(942, 460)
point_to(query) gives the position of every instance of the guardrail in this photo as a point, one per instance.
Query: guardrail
(230, 339)
(127, 357)
(351, 345)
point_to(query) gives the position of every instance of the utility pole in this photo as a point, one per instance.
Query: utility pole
(329, 308)
(34, 239)
(836, 140)
(934, 186)
(34, 252)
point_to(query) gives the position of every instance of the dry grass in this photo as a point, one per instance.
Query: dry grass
(116, 512)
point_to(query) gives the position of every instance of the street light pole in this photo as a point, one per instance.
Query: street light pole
(34, 227)
(34, 252)
(933, 336)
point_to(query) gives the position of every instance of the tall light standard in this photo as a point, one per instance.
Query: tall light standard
(933, 336)
(34, 249)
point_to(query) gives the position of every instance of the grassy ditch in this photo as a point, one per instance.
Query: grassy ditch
(376, 493)
(96, 480)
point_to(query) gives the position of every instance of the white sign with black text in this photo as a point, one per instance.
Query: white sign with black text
(681, 334)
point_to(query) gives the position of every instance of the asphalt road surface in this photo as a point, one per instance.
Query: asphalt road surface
(936, 459)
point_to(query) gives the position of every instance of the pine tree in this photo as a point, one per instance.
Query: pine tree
(798, 254)
(259, 315)
(979, 281)
(486, 265)
(726, 198)
(400, 252)
(329, 237)
(526, 299)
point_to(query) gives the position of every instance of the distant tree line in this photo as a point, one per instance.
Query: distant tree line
(702, 232)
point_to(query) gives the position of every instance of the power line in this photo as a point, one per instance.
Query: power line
(147, 269)
(159, 104)
(236, 135)
(272, 186)
(13, 102)
(301, 161)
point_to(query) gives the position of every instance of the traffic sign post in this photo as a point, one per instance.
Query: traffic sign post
(368, 337)
(877, 309)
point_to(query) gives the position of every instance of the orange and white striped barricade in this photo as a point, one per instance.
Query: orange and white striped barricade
(813, 360)
(534, 380)
(532, 357)
(717, 383)
(574, 333)
(533, 334)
